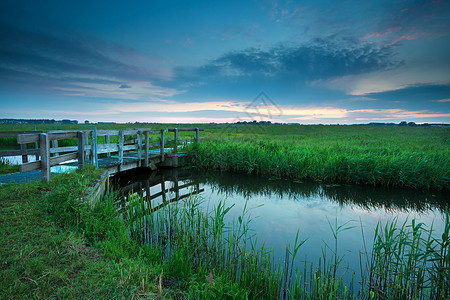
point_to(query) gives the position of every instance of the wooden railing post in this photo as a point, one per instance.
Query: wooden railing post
(175, 138)
(55, 145)
(163, 190)
(86, 143)
(107, 142)
(146, 149)
(95, 147)
(162, 145)
(121, 138)
(36, 146)
(197, 134)
(23, 147)
(80, 135)
(45, 157)
(139, 136)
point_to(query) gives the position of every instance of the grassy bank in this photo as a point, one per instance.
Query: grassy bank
(53, 245)
(407, 261)
(380, 156)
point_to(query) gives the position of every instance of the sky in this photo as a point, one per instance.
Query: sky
(308, 62)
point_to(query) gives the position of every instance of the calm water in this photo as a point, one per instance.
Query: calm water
(281, 207)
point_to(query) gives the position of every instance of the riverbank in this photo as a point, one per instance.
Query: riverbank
(55, 246)
(52, 246)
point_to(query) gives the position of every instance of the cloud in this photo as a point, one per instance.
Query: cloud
(408, 20)
(70, 63)
(320, 59)
(142, 91)
(442, 100)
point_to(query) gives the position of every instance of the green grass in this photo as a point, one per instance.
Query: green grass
(412, 157)
(406, 262)
(7, 168)
(54, 246)
(391, 156)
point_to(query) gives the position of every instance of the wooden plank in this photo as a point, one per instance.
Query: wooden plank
(45, 157)
(146, 148)
(107, 148)
(31, 166)
(80, 150)
(143, 129)
(92, 148)
(27, 138)
(54, 145)
(121, 138)
(130, 132)
(62, 158)
(63, 149)
(95, 147)
(36, 145)
(62, 135)
(161, 149)
(175, 147)
(163, 190)
(108, 141)
(16, 133)
(130, 147)
(23, 147)
(139, 136)
(107, 132)
(20, 152)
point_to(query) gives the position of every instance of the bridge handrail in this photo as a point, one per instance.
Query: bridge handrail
(83, 150)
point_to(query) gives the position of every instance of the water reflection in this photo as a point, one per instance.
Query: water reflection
(157, 189)
(283, 207)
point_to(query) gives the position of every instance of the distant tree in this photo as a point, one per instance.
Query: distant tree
(403, 123)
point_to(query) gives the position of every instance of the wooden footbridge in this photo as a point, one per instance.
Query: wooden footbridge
(114, 150)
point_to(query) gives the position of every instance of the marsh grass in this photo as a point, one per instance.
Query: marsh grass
(212, 258)
(336, 161)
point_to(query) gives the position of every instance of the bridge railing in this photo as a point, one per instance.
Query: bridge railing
(46, 161)
(24, 151)
(88, 147)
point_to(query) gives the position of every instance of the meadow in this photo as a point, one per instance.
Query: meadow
(411, 157)
(391, 156)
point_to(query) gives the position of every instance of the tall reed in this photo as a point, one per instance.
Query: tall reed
(378, 165)
(194, 241)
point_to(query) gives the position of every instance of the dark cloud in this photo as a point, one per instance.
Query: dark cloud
(124, 86)
(418, 93)
(320, 59)
(59, 58)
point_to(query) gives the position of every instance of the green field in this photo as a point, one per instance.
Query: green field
(413, 157)
(54, 246)
(391, 156)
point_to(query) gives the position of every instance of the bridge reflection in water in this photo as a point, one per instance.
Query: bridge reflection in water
(157, 189)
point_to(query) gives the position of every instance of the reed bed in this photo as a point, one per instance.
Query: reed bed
(225, 260)
(337, 161)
